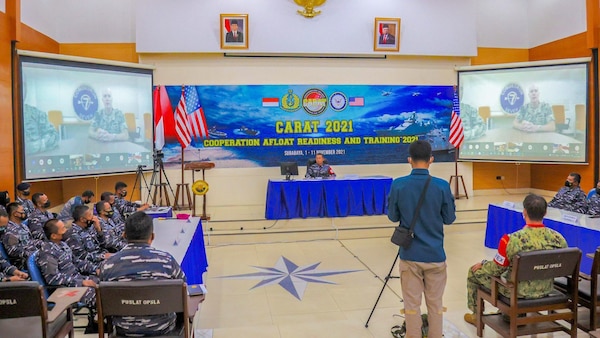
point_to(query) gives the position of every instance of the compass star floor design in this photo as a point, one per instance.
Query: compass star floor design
(293, 278)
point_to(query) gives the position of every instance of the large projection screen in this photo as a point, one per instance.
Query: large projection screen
(536, 113)
(81, 118)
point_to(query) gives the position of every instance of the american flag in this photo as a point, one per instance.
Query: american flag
(189, 117)
(457, 134)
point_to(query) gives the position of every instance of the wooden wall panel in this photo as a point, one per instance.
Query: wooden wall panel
(109, 51)
(570, 47)
(513, 175)
(6, 148)
(487, 56)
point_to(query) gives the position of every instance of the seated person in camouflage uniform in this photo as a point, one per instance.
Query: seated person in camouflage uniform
(116, 217)
(85, 236)
(23, 190)
(473, 124)
(9, 272)
(17, 239)
(594, 202)
(319, 168)
(534, 236)
(40, 215)
(109, 122)
(60, 268)
(113, 239)
(571, 197)
(66, 214)
(535, 116)
(124, 206)
(140, 261)
(40, 135)
(4, 200)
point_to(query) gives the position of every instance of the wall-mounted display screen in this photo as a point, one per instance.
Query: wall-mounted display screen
(525, 114)
(83, 118)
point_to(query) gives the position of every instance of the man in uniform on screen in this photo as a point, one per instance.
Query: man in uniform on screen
(535, 116)
(473, 124)
(109, 122)
(40, 135)
(571, 197)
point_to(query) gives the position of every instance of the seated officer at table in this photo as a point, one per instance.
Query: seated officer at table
(140, 261)
(319, 168)
(594, 201)
(570, 197)
(534, 236)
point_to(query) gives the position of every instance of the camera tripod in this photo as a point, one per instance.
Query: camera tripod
(387, 278)
(139, 177)
(156, 182)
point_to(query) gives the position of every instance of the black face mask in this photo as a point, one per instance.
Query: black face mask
(110, 213)
(90, 222)
(46, 205)
(22, 216)
(26, 193)
(568, 184)
(598, 191)
(123, 193)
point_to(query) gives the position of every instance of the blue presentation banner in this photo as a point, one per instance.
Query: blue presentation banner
(263, 125)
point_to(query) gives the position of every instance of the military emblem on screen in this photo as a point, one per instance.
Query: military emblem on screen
(85, 102)
(512, 98)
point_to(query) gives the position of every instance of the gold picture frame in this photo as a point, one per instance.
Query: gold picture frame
(234, 31)
(386, 35)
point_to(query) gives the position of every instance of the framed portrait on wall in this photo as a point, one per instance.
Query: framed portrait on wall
(234, 31)
(386, 35)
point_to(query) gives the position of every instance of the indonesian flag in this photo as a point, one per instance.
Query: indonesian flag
(162, 110)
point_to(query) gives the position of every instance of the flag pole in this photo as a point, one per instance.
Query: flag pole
(456, 194)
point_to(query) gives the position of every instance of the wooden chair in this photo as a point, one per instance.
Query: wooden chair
(55, 117)
(580, 121)
(48, 290)
(143, 298)
(561, 122)
(589, 295)
(131, 125)
(148, 126)
(24, 311)
(532, 316)
(486, 113)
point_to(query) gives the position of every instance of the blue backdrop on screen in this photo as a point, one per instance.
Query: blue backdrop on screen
(262, 125)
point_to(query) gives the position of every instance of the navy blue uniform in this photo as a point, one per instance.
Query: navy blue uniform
(60, 268)
(139, 261)
(36, 223)
(19, 244)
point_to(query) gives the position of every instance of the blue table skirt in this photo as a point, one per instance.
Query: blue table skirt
(502, 221)
(327, 198)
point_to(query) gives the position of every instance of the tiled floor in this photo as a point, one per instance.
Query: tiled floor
(240, 307)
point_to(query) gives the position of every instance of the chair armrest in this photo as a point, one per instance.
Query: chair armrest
(495, 280)
(63, 298)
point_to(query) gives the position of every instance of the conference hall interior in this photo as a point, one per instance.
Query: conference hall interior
(210, 114)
